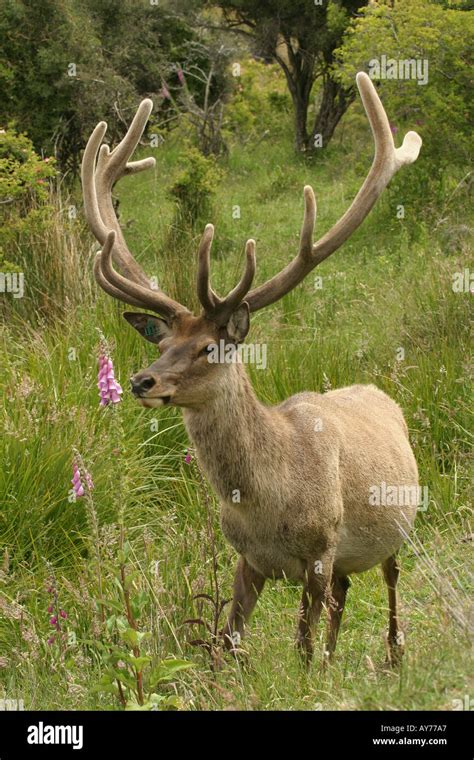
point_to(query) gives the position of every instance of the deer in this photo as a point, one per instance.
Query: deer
(304, 469)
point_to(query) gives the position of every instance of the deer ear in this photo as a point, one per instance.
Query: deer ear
(239, 323)
(151, 328)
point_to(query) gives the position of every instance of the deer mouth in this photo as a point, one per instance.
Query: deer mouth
(153, 402)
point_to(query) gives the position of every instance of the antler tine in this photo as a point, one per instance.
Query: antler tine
(387, 161)
(110, 167)
(237, 295)
(89, 193)
(309, 219)
(220, 309)
(118, 158)
(100, 215)
(106, 285)
(100, 170)
(145, 297)
(206, 295)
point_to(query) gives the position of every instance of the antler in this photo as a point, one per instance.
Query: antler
(98, 178)
(219, 309)
(387, 161)
(134, 288)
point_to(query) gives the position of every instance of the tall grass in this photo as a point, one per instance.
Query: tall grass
(386, 290)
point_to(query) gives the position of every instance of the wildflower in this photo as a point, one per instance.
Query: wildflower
(393, 129)
(109, 388)
(76, 481)
(187, 457)
(165, 93)
(57, 613)
(180, 76)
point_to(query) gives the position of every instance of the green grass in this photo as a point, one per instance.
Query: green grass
(386, 289)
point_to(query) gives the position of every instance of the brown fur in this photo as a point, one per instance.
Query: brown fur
(294, 498)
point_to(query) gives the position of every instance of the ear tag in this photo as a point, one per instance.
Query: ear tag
(150, 328)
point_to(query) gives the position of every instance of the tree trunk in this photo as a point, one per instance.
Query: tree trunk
(298, 70)
(300, 104)
(299, 73)
(334, 103)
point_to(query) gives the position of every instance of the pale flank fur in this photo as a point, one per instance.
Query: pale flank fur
(288, 489)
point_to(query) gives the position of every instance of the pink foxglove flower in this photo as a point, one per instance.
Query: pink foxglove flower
(188, 457)
(76, 481)
(109, 389)
(180, 76)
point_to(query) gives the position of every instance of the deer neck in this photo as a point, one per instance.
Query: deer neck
(237, 439)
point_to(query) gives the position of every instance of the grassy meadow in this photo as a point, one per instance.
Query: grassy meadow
(384, 312)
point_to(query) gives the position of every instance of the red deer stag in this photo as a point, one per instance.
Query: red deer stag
(304, 469)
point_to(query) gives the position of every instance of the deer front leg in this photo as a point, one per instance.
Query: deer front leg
(248, 584)
(316, 591)
(339, 587)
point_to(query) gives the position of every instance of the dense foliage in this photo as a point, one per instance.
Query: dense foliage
(436, 100)
(65, 65)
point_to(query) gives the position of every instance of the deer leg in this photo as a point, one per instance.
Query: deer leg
(248, 583)
(339, 587)
(391, 571)
(316, 591)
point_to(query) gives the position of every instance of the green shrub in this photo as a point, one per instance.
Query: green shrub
(440, 109)
(260, 101)
(40, 236)
(24, 194)
(194, 188)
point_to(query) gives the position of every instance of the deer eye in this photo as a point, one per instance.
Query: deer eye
(206, 350)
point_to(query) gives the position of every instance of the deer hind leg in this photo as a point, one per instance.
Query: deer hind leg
(316, 592)
(248, 583)
(391, 571)
(339, 587)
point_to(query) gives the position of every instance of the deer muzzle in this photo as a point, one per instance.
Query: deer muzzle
(151, 390)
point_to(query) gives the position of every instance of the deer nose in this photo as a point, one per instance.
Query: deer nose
(141, 384)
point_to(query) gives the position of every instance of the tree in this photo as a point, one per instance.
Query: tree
(301, 37)
(425, 80)
(65, 65)
(200, 93)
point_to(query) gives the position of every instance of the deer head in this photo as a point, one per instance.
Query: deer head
(183, 374)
